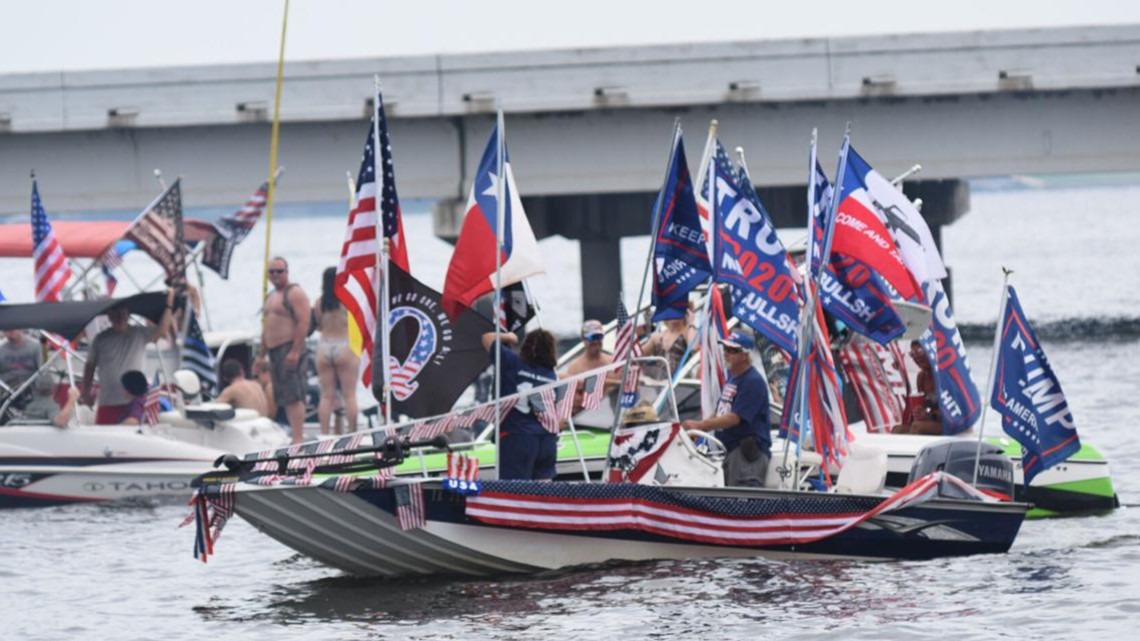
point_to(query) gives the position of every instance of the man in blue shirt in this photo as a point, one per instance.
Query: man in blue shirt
(741, 420)
(527, 450)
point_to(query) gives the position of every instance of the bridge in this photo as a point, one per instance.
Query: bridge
(589, 129)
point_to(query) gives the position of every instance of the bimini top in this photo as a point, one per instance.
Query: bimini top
(68, 319)
(83, 238)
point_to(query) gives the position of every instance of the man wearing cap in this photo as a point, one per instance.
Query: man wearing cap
(741, 420)
(592, 356)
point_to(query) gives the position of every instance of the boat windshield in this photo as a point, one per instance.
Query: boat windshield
(651, 398)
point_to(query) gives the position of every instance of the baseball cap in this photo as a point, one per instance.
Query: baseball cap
(739, 340)
(592, 329)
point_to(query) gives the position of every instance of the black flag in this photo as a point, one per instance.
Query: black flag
(231, 230)
(435, 358)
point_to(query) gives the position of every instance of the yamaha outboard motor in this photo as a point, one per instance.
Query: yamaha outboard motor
(956, 456)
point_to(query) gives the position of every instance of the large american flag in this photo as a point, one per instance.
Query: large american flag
(230, 230)
(158, 231)
(873, 372)
(786, 520)
(52, 271)
(357, 283)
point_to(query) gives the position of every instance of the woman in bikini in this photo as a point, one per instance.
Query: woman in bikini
(337, 366)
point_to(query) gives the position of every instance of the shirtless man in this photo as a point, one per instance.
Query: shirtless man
(285, 324)
(241, 392)
(592, 356)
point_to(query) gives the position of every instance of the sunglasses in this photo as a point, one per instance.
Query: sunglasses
(732, 350)
(592, 339)
(278, 271)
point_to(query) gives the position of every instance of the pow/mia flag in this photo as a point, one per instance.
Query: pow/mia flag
(432, 357)
(158, 231)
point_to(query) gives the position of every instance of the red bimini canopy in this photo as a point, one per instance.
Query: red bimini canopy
(82, 238)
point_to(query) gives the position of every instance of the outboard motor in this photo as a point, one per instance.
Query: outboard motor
(956, 456)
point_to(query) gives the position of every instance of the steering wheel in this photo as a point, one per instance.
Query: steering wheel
(707, 444)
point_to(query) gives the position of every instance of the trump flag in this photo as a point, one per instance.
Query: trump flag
(680, 259)
(1027, 394)
(471, 272)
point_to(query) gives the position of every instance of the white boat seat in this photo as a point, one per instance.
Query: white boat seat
(864, 471)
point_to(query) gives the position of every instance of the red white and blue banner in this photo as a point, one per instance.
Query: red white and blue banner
(680, 258)
(958, 399)
(471, 273)
(751, 260)
(1028, 395)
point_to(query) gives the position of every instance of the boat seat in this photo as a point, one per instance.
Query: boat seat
(84, 415)
(864, 471)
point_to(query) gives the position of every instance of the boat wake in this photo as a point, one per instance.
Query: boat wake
(1065, 329)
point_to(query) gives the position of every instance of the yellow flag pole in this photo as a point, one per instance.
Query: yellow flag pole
(273, 154)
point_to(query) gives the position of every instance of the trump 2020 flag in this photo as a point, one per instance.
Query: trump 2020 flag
(1027, 394)
(471, 272)
(959, 402)
(680, 258)
(751, 260)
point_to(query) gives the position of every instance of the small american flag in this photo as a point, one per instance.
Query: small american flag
(52, 271)
(152, 407)
(557, 404)
(593, 391)
(626, 337)
(410, 506)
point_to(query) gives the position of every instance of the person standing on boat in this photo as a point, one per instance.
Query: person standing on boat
(592, 355)
(741, 420)
(337, 366)
(114, 352)
(20, 358)
(285, 324)
(527, 450)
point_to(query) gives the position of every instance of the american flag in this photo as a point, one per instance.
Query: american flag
(626, 337)
(713, 370)
(557, 404)
(152, 407)
(52, 271)
(230, 230)
(785, 520)
(357, 283)
(593, 391)
(869, 377)
(196, 355)
(109, 262)
(158, 231)
(410, 506)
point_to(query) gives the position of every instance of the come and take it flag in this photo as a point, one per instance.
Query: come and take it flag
(471, 272)
(902, 218)
(52, 271)
(433, 356)
(230, 230)
(850, 289)
(196, 355)
(1027, 394)
(680, 258)
(158, 231)
(751, 260)
(357, 281)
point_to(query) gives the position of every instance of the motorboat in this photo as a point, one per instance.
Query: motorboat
(660, 498)
(41, 464)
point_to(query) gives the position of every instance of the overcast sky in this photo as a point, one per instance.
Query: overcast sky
(53, 35)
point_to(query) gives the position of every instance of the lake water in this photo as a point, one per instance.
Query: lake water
(91, 572)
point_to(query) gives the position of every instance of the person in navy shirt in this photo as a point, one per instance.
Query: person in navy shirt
(741, 420)
(527, 450)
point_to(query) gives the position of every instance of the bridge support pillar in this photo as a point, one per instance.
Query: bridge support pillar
(601, 276)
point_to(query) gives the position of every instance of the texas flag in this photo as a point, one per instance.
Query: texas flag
(471, 273)
(862, 235)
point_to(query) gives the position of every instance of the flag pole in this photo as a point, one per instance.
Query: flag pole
(273, 138)
(993, 367)
(500, 220)
(382, 270)
(636, 318)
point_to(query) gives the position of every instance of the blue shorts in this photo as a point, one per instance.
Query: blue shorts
(527, 456)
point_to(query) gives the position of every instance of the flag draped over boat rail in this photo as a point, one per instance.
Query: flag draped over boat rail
(789, 520)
